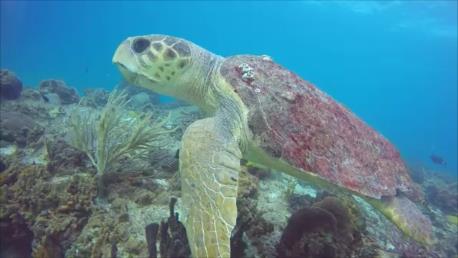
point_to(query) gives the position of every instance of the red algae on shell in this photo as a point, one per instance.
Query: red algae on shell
(293, 120)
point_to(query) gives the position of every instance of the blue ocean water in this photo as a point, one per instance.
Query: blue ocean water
(394, 63)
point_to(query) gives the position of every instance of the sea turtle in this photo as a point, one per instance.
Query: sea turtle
(260, 111)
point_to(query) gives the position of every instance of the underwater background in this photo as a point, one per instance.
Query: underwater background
(393, 63)
(89, 164)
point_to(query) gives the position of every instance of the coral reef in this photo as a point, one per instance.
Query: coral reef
(95, 98)
(10, 85)
(63, 157)
(50, 205)
(16, 237)
(250, 223)
(19, 128)
(121, 220)
(308, 220)
(141, 98)
(57, 92)
(29, 94)
(108, 137)
(165, 159)
(49, 208)
(363, 231)
(443, 195)
(438, 186)
(417, 173)
(2, 166)
(32, 105)
(54, 208)
(327, 229)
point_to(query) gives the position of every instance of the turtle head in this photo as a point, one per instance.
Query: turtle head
(156, 62)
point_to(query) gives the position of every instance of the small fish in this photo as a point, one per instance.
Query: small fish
(438, 160)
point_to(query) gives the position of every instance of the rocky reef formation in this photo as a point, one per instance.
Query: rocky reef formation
(19, 128)
(140, 97)
(443, 194)
(10, 85)
(54, 207)
(322, 230)
(57, 92)
(250, 222)
(49, 206)
(95, 97)
(298, 220)
(440, 188)
(48, 187)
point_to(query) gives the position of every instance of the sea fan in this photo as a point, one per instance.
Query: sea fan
(113, 133)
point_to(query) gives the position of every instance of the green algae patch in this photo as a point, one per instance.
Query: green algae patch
(453, 219)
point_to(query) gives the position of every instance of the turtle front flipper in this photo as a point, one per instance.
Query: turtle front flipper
(209, 167)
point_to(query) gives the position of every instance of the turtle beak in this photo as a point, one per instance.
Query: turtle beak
(125, 60)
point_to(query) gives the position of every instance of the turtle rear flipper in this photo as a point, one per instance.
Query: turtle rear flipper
(209, 167)
(407, 217)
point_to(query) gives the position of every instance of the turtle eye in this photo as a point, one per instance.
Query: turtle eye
(140, 45)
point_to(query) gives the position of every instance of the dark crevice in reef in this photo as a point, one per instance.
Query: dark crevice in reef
(3, 166)
(15, 238)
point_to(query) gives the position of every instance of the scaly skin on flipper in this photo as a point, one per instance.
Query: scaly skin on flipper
(272, 117)
(209, 167)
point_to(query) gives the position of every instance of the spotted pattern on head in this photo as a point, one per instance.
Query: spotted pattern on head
(165, 58)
